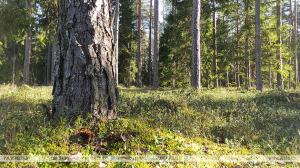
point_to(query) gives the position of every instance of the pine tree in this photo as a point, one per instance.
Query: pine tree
(84, 77)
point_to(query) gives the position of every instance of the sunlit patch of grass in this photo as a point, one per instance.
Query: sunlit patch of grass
(153, 121)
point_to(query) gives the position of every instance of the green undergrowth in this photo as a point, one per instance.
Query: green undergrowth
(153, 121)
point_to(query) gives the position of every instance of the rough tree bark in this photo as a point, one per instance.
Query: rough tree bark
(139, 60)
(116, 40)
(150, 45)
(278, 56)
(84, 72)
(196, 60)
(257, 46)
(156, 46)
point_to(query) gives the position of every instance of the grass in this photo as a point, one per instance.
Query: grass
(156, 122)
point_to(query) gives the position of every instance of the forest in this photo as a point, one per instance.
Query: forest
(227, 43)
(172, 78)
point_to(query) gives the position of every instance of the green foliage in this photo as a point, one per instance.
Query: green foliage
(127, 43)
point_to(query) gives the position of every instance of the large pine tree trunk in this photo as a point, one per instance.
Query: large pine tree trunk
(257, 46)
(27, 53)
(155, 57)
(278, 56)
(139, 60)
(150, 45)
(84, 72)
(196, 60)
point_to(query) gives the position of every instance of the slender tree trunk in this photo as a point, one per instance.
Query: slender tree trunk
(139, 60)
(234, 73)
(207, 76)
(238, 75)
(150, 46)
(173, 39)
(237, 46)
(270, 75)
(14, 63)
(278, 56)
(156, 45)
(215, 66)
(196, 59)
(45, 60)
(116, 41)
(227, 78)
(35, 61)
(247, 55)
(296, 46)
(85, 79)
(49, 63)
(291, 35)
(259, 85)
(27, 53)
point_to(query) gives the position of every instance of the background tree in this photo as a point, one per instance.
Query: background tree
(257, 46)
(196, 59)
(156, 45)
(27, 47)
(296, 78)
(139, 57)
(116, 39)
(150, 46)
(278, 56)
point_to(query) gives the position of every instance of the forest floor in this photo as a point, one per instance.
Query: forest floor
(165, 121)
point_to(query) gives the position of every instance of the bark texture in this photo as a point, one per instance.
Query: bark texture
(257, 46)
(84, 72)
(156, 45)
(196, 61)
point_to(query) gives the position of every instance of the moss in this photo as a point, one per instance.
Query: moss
(172, 122)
